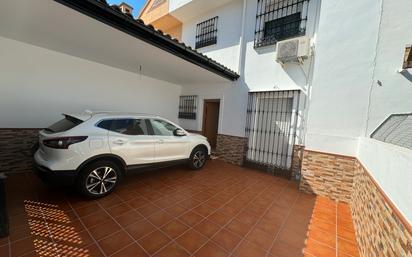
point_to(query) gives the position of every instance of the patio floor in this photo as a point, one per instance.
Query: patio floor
(331, 231)
(222, 210)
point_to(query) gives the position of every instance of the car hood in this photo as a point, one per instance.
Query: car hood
(197, 135)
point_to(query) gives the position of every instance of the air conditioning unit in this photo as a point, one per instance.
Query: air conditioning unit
(293, 50)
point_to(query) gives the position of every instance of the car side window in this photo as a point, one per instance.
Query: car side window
(162, 128)
(105, 124)
(134, 127)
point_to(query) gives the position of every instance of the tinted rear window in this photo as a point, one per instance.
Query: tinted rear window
(63, 125)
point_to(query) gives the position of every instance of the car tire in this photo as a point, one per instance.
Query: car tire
(198, 158)
(99, 179)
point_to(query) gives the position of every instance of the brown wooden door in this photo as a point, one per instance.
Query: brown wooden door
(211, 120)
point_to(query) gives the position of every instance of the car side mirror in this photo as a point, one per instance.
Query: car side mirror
(179, 133)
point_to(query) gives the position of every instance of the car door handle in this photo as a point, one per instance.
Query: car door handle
(160, 141)
(118, 142)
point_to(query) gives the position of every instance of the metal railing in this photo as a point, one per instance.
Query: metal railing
(271, 128)
(188, 107)
(279, 19)
(206, 33)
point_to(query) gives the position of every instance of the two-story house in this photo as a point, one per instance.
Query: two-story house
(263, 112)
(313, 89)
(344, 103)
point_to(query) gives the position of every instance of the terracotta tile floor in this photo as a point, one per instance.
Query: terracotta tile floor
(222, 210)
(331, 231)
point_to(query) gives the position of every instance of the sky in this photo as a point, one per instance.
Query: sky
(136, 4)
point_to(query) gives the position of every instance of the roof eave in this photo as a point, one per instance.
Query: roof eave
(103, 12)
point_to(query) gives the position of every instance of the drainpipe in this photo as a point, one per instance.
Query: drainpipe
(4, 222)
(242, 57)
(309, 82)
(242, 44)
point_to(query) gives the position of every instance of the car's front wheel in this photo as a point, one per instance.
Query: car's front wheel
(99, 179)
(198, 158)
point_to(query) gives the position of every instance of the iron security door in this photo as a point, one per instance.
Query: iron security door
(271, 130)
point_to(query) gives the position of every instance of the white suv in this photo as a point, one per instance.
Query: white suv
(95, 150)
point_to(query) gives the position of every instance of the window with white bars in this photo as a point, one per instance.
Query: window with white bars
(206, 33)
(279, 19)
(188, 107)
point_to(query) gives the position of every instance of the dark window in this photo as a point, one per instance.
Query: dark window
(280, 19)
(105, 124)
(187, 107)
(129, 127)
(206, 33)
(162, 128)
(65, 124)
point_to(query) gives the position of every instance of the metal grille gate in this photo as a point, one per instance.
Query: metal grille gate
(271, 126)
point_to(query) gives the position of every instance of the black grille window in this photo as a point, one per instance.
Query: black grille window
(279, 19)
(187, 107)
(206, 33)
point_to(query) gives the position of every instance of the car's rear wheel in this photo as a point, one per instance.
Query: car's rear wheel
(198, 158)
(99, 179)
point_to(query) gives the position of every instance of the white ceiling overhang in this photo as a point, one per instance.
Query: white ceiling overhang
(186, 10)
(57, 27)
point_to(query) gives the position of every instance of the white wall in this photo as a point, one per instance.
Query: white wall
(37, 85)
(352, 55)
(175, 4)
(391, 167)
(226, 51)
(233, 103)
(347, 102)
(259, 71)
(395, 93)
(344, 53)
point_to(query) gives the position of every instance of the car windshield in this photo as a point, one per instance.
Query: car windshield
(65, 124)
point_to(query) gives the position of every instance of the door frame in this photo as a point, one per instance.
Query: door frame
(205, 101)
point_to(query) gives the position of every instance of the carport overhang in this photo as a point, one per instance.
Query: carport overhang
(92, 30)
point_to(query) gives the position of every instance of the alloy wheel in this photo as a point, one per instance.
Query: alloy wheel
(199, 159)
(101, 180)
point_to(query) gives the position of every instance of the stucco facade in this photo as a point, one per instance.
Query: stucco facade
(350, 85)
(257, 66)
